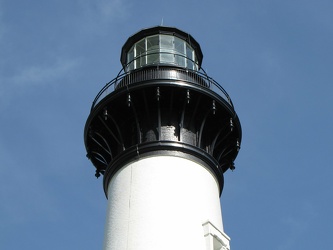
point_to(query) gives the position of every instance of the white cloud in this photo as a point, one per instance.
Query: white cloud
(44, 74)
(111, 9)
(102, 13)
(32, 76)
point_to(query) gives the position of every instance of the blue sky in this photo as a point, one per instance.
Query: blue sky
(273, 57)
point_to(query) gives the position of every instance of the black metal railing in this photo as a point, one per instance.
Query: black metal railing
(159, 72)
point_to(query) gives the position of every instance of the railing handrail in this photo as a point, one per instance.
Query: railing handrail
(200, 76)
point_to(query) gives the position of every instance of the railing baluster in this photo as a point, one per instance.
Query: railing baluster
(127, 78)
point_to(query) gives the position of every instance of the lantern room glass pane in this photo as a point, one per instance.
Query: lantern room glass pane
(179, 46)
(167, 49)
(153, 49)
(180, 61)
(180, 52)
(189, 55)
(130, 57)
(166, 57)
(140, 50)
(162, 49)
(166, 42)
(153, 43)
(140, 47)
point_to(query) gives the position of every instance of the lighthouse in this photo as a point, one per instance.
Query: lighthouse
(162, 133)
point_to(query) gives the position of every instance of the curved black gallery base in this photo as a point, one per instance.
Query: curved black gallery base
(157, 112)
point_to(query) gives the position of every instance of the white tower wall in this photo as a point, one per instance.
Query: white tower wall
(164, 202)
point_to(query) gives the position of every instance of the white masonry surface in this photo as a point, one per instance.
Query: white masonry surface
(164, 202)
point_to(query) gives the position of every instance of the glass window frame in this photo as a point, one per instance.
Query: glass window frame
(162, 49)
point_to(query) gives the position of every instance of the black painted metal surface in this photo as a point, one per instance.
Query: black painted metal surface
(162, 109)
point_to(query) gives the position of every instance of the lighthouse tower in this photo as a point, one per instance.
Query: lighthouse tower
(163, 133)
